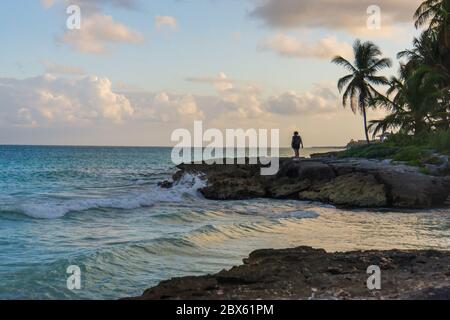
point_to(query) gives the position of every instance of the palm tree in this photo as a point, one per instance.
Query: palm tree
(435, 14)
(413, 104)
(360, 92)
(425, 58)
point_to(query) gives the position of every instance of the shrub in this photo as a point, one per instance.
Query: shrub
(410, 154)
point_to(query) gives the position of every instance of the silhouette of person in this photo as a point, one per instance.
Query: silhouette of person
(297, 143)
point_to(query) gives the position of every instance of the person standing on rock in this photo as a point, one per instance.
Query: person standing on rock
(297, 142)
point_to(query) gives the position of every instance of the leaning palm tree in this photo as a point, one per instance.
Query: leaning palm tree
(359, 84)
(413, 105)
(425, 58)
(436, 15)
(432, 12)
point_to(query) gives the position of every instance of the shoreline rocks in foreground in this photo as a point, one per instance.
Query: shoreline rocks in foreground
(307, 273)
(343, 182)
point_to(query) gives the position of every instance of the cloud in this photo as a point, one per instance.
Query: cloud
(240, 103)
(234, 100)
(50, 100)
(165, 21)
(291, 47)
(221, 82)
(59, 69)
(165, 107)
(319, 101)
(98, 32)
(347, 15)
(51, 103)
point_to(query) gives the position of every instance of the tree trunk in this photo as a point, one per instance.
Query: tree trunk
(366, 130)
(418, 126)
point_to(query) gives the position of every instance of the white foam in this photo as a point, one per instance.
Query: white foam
(54, 209)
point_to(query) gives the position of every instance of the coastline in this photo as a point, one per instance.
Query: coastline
(305, 273)
(350, 182)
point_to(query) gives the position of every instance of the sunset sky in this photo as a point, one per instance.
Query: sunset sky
(137, 70)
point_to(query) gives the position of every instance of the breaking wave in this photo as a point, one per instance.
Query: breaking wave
(144, 197)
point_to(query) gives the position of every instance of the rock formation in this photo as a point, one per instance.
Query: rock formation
(342, 182)
(307, 273)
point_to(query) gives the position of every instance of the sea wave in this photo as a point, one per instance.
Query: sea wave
(146, 197)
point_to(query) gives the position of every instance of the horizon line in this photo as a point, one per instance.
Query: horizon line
(130, 146)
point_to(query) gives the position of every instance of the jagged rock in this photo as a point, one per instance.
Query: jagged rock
(288, 188)
(314, 171)
(234, 188)
(415, 190)
(165, 184)
(357, 190)
(344, 182)
(303, 272)
(437, 165)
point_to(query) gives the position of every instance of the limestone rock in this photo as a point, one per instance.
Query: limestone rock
(304, 272)
(357, 190)
(345, 182)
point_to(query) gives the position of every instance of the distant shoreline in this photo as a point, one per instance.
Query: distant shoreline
(118, 146)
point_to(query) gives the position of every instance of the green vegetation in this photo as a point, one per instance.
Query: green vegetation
(414, 150)
(418, 100)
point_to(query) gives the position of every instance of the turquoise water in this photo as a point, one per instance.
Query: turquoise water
(101, 209)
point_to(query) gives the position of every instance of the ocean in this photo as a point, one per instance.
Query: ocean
(100, 208)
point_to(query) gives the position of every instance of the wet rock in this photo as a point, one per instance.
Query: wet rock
(343, 182)
(307, 273)
(165, 184)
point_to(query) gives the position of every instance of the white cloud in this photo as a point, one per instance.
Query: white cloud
(53, 100)
(165, 21)
(165, 107)
(234, 100)
(97, 33)
(289, 46)
(221, 82)
(50, 100)
(319, 101)
(52, 103)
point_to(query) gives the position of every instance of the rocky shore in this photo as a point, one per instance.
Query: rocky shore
(307, 273)
(341, 182)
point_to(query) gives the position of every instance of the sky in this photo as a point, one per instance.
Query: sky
(136, 70)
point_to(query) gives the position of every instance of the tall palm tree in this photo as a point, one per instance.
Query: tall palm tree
(412, 105)
(425, 58)
(436, 15)
(359, 84)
